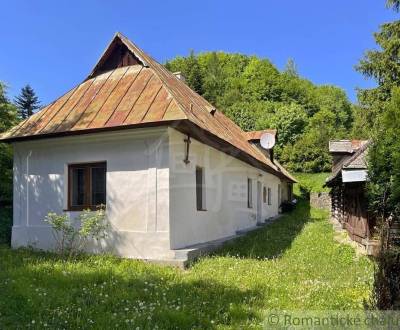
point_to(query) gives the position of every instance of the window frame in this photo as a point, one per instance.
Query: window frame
(279, 194)
(87, 187)
(200, 189)
(249, 193)
(290, 191)
(269, 196)
(265, 194)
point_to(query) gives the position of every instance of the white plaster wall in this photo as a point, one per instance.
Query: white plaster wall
(226, 194)
(137, 189)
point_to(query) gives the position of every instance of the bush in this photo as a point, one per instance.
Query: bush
(305, 191)
(5, 225)
(72, 236)
(287, 206)
(386, 293)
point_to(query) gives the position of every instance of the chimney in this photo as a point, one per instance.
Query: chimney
(180, 76)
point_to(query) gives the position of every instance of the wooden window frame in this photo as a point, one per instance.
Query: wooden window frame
(269, 191)
(279, 194)
(200, 189)
(88, 187)
(265, 194)
(249, 193)
(290, 191)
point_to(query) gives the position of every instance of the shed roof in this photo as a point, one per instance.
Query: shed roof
(345, 146)
(127, 89)
(355, 160)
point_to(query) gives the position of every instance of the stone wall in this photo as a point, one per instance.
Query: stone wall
(321, 200)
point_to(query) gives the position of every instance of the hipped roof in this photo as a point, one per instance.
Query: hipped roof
(129, 89)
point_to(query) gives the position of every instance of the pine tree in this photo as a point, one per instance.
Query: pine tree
(291, 68)
(27, 102)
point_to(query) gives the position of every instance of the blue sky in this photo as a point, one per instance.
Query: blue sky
(53, 45)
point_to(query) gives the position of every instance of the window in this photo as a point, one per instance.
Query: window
(249, 193)
(269, 196)
(264, 194)
(86, 186)
(200, 189)
(279, 195)
(290, 192)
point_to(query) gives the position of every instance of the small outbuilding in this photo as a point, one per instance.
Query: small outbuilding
(348, 190)
(172, 171)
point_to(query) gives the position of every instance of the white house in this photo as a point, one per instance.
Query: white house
(171, 169)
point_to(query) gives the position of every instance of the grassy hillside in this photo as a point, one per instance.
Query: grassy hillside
(292, 264)
(313, 181)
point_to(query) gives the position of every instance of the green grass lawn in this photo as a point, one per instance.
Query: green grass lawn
(292, 264)
(314, 181)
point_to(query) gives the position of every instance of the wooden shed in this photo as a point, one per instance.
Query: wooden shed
(348, 190)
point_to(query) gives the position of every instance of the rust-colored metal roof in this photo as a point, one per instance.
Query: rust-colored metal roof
(133, 95)
(256, 135)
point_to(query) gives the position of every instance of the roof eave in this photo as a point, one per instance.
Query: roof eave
(88, 131)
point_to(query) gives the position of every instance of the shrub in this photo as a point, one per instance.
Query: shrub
(386, 292)
(287, 206)
(305, 191)
(5, 225)
(72, 236)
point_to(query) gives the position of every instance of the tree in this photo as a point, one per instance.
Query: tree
(382, 65)
(291, 68)
(290, 121)
(384, 201)
(190, 68)
(256, 95)
(381, 111)
(395, 4)
(8, 118)
(27, 102)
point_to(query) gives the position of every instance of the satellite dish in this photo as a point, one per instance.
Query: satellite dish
(267, 140)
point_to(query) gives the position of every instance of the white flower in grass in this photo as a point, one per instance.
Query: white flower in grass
(33, 321)
(79, 309)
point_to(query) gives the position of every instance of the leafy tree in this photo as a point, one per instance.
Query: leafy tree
(290, 121)
(190, 69)
(213, 81)
(244, 114)
(8, 118)
(261, 81)
(384, 198)
(310, 152)
(334, 100)
(256, 95)
(381, 112)
(27, 102)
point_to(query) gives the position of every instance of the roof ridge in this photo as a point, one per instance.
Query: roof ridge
(149, 63)
(163, 74)
(174, 102)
